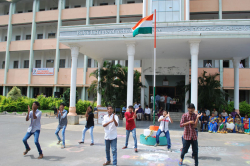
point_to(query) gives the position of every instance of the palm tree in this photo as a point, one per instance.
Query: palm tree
(210, 94)
(113, 84)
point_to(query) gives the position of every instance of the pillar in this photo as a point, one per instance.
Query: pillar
(74, 56)
(220, 9)
(87, 13)
(130, 80)
(85, 66)
(144, 8)
(142, 90)
(194, 51)
(44, 32)
(116, 62)
(7, 54)
(187, 10)
(221, 74)
(117, 2)
(33, 36)
(99, 95)
(186, 83)
(236, 62)
(19, 60)
(57, 59)
(182, 10)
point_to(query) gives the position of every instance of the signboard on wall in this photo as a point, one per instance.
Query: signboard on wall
(43, 71)
(102, 111)
(165, 83)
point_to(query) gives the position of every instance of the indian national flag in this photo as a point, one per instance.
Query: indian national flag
(144, 26)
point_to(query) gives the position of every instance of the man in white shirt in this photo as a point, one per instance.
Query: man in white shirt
(208, 65)
(224, 113)
(34, 128)
(241, 65)
(147, 112)
(164, 120)
(215, 112)
(110, 123)
(136, 106)
(207, 112)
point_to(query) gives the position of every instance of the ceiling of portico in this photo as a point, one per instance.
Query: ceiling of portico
(223, 48)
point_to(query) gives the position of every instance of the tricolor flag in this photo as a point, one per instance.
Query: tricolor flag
(144, 26)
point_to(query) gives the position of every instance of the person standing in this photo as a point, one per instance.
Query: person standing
(34, 128)
(165, 101)
(124, 109)
(157, 100)
(207, 112)
(168, 102)
(147, 113)
(139, 113)
(130, 127)
(62, 117)
(189, 121)
(110, 123)
(89, 125)
(162, 100)
(164, 120)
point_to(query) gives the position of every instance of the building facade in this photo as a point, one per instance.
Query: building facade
(65, 33)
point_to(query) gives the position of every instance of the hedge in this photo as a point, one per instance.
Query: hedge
(244, 108)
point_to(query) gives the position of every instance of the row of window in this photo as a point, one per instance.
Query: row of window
(39, 36)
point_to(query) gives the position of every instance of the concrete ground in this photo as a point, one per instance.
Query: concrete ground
(214, 149)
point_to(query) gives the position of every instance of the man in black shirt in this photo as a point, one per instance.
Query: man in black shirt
(89, 125)
(204, 120)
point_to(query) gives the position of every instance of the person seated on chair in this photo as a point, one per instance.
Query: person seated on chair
(139, 113)
(224, 113)
(147, 113)
(204, 121)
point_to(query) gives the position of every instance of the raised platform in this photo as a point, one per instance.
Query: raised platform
(152, 141)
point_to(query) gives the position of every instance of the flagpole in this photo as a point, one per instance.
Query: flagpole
(154, 61)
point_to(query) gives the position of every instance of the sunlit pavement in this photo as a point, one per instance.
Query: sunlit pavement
(214, 149)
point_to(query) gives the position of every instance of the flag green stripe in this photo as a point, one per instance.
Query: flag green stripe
(142, 30)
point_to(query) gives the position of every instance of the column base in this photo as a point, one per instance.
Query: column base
(73, 120)
(72, 111)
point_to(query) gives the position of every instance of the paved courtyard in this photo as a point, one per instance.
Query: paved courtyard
(214, 149)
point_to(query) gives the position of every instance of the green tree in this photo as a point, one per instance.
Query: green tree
(113, 84)
(66, 97)
(210, 94)
(14, 93)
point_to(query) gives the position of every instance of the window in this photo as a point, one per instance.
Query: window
(20, 12)
(48, 92)
(24, 91)
(5, 39)
(77, 6)
(226, 63)
(36, 92)
(50, 63)
(62, 63)
(66, 7)
(38, 63)
(15, 66)
(41, 9)
(18, 38)
(53, 8)
(104, 3)
(28, 37)
(207, 63)
(51, 35)
(126, 63)
(40, 36)
(130, 2)
(89, 62)
(26, 64)
(29, 10)
(3, 65)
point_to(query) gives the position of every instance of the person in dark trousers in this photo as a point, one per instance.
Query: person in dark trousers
(89, 125)
(147, 113)
(189, 121)
(204, 121)
(34, 129)
(139, 113)
(130, 127)
(62, 118)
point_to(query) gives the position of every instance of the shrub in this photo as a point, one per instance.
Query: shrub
(66, 97)
(244, 108)
(14, 93)
(81, 106)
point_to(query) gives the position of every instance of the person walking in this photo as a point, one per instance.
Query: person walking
(34, 128)
(189, 121)
(62, 118)
(164, 120)
(110, 123)
(89, 125)
(130, 127)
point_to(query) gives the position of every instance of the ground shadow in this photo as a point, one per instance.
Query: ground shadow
(206, 158)
(49, 158)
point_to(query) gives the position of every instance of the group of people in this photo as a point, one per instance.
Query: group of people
(140, 112)
(224, 123)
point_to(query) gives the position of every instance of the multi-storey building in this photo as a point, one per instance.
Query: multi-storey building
(65, 33)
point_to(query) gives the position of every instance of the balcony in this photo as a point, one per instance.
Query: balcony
(47, 44)
(1, 76)
(4, 20)
(22, 18)
(20, 45)
(17, 77)
(3, 46)
(131, 9)
(42, 80)
(228, 78)
(43, 16)
(74, 13)
(103, 11)
(235, 5)
(64, 77)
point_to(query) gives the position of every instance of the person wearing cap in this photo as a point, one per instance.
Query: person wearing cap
(130, 126)
(34, 129)
(189, 121)
(139, 113)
